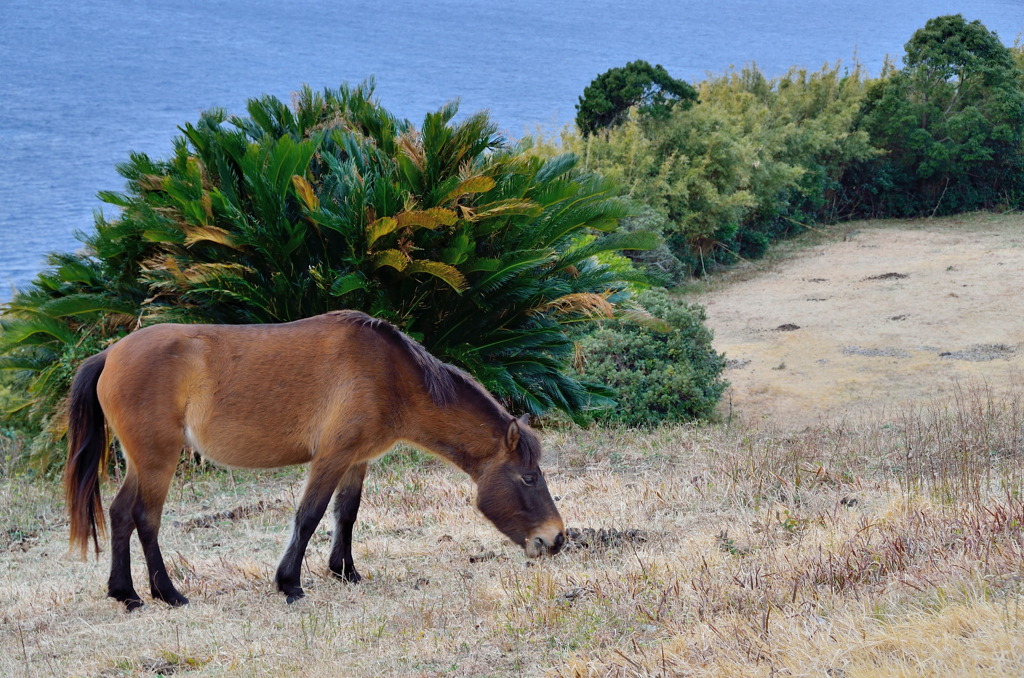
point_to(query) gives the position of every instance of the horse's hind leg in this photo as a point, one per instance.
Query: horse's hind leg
(120, 586)
(346, 506)
(154, 480)
(324, 475)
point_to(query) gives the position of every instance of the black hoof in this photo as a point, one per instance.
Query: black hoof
(172, 598)
(130, 599)
(178, 601)
(348, 574)
(298, 595)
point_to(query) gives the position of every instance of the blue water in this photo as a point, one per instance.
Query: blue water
(83, 83)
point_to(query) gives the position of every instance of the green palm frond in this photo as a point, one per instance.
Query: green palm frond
(348, 283)
(85, 304)
(19, 332)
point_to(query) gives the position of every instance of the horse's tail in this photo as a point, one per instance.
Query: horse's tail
(87, 455)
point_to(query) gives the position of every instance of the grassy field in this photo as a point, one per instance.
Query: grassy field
(886, 546)
(885, 538)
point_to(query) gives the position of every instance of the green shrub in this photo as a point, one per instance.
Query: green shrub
(951, 122)
(660, 261)
(660, 376)
(752, 161)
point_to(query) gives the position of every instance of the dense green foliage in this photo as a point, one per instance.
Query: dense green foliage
(661, 377)
(951, 122)
(607, 99)
(757, 159)
(753, 160)
(482, 252)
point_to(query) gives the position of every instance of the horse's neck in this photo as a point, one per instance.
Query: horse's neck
(459, 434)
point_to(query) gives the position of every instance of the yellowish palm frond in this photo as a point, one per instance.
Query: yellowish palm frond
(306, 193)
(445, 272)
(393, 258)
(197, 234)
(478, 184)
(198, 274)
(432, 218)
(587, 304)
(412, 147)
(380, 228)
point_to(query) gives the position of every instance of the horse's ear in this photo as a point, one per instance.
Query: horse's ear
(512, 435)
(524, 420)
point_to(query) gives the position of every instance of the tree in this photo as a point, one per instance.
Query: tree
(451, 233)
(608, 98)
(952, 121)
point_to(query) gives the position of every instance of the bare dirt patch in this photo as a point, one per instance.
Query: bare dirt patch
(889, 313)
(982, 353)
(233, 515)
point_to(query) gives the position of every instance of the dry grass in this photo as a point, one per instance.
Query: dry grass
(891, 545)
(870, 314)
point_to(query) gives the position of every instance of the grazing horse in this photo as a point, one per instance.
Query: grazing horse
(333, 391)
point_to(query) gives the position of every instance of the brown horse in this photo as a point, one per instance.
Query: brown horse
(333, 391)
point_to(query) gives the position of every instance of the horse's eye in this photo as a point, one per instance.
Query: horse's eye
(529, 479)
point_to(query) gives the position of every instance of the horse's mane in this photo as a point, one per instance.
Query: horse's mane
(440, 378)
(444, 381)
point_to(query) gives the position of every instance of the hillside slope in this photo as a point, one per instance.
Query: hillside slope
(875, 314)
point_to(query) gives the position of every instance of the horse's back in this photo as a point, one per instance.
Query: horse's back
(245, 395)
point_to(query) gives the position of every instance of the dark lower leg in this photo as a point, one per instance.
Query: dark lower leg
(147, 510)
(346, 506)
(119, 586)
(159, 581)
(311, 509)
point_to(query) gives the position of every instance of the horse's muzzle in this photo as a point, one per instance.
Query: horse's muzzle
(548, 539)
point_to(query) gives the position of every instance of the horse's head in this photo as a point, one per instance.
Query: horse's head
(512, 494)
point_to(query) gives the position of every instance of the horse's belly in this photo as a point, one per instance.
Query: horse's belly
(245, 446)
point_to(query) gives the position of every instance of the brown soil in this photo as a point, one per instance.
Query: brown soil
(861, 320)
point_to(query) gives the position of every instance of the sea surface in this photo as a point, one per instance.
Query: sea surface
(84, 83)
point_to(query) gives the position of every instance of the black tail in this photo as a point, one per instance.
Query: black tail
(87, 455)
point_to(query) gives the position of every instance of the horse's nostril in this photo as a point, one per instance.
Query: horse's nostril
(559, 540)
(540, 543)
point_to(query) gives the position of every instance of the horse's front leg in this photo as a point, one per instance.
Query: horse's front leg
(324, 475)
(346, 506)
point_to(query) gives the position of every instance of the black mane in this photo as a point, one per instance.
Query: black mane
(444, 381)
(441, 379)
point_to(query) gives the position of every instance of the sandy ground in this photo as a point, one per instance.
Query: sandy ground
(826, 330)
